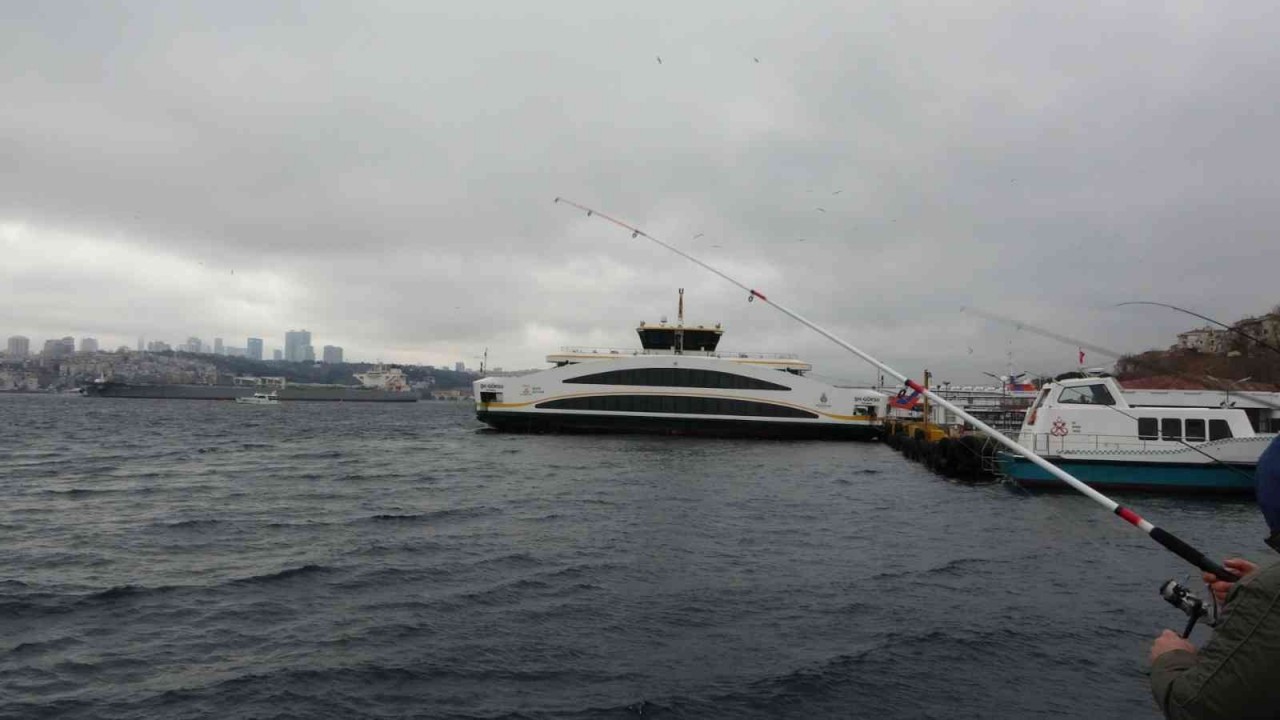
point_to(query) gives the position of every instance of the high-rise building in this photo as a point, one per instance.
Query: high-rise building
(459, 367)
(217, 346)
(59, 348)
(193, 345)
(140, 346)
(277, 355)
(332, 354)
(158, 346)
(88, 345)
(253, 348)
(296, 345)
(19, 346)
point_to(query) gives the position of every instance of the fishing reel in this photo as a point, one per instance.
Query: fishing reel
(1195, 608)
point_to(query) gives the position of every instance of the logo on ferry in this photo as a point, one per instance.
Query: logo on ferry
(823, 398)
(1059, 428)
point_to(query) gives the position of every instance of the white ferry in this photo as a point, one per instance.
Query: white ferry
(678, 383)
(1201, 440)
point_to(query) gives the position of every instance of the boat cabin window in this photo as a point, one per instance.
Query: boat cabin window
(676, 377)
(1195, 430)
(1148, 429)
(1219, 430)
(1087, 395)
(1170, 429)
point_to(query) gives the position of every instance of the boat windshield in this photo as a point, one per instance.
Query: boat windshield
(1087, 395)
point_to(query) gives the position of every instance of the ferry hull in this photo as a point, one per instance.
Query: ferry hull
(546, 422)
(1113, 475)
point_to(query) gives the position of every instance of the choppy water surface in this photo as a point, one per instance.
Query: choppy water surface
(187, 559)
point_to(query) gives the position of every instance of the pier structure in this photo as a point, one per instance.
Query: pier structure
(943, 442)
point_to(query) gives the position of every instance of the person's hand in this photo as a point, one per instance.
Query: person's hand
(1239, 566)
(1168, 641)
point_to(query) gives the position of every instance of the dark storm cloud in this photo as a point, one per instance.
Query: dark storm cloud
(383, 173)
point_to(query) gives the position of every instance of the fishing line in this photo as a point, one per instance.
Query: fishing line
(1213, 383)
(1170, 541)
(1226, 327)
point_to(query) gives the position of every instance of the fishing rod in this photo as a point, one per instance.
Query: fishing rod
(1206, 318)
(1215, 383)
(1165, 538)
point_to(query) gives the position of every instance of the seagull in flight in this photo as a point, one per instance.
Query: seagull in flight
(659, 59)
(756, 59)
(695, 237)
(837, 192)
(821, 209)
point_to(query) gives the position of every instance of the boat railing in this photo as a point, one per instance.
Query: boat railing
(579, 350)
(1051, 443)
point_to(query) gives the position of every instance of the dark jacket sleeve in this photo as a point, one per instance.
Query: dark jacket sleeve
(1237, 673)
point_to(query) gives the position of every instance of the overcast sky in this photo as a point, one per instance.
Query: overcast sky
(382, 174)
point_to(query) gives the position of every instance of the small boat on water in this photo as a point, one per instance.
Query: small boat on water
(1110, 437)
(259, 399)
(678, 383)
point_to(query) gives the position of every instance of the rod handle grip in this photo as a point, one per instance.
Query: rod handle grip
(1175, 545)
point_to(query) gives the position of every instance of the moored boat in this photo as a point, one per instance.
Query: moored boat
(1174, 440)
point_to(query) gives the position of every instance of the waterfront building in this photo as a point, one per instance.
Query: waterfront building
(19, 346)
(459, 367)
(332, 355)
(217, 347)
(297, 345)
(253, 348)
(1206, 340)
(277, 355)
(88, 345)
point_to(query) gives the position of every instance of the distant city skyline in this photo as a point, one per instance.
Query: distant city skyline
(19, 345)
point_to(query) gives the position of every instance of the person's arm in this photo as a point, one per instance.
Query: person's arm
(1233, 675)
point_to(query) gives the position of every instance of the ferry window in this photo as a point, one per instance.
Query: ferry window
(1195, 430)
(1148, 429)
(1219, 430)
(1170, 429)
(675, 405)
(676, 377)
(1087, 395)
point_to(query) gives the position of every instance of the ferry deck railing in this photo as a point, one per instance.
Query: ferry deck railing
(579, 350)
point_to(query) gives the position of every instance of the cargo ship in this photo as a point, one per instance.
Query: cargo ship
(380, 385)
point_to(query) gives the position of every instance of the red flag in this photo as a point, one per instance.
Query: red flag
(1081, 357)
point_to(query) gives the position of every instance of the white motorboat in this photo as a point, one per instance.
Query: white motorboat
(259, 399)
(1108, 436)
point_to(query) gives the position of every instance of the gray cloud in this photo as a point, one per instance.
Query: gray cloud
(383, 174)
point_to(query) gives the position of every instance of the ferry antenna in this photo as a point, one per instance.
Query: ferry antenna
(1165, 538)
